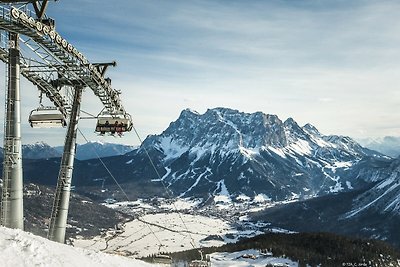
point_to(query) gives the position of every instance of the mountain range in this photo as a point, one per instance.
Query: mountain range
(335, 184)
(41, 150)
(225, 150)
(388, 145)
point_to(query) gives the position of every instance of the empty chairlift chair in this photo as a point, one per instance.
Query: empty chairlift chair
(199, 263)
(47, 117)
(162, 259)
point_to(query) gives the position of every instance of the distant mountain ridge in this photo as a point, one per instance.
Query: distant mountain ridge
(41, 150)
(38, 150)
(95, 149)
(388, 145)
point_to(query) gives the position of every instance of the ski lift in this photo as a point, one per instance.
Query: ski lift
(199, 263)
(202, 262)
(162, 259)
(113, 123)
(47, 117)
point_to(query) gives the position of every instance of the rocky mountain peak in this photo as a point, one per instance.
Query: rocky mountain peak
(225, 129)
(228, 145)
(310, 129)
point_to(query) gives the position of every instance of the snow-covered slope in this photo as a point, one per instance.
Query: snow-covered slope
(384, 197)
(19, 248)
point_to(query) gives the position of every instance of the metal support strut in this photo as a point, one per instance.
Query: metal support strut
(59, 214)
(12, 193)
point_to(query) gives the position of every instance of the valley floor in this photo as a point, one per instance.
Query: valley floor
(169, 227)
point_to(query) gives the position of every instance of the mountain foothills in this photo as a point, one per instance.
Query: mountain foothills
(225, 156)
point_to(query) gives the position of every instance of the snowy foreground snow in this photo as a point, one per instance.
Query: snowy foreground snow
(20, 248)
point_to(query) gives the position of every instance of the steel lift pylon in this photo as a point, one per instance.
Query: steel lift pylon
(51, 56)
(12, 193)
(59, 214)
(11, 211)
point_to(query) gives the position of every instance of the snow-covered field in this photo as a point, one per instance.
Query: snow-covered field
(159, 227)
(20, 248)
(167, 232)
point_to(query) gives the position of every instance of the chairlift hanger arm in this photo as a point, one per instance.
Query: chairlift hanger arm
(40, 8)
(102, 67)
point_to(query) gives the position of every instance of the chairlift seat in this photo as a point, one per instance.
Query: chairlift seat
(199, 263)
(47, 117)
(163, 259)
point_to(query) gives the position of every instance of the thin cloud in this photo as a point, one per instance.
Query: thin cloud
(300, 59)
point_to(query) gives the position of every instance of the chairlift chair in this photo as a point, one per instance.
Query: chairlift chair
(203, 262)
(113, 123)
(47, 117)
(199, 263)
(162, 259)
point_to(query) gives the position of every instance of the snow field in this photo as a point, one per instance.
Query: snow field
(20, 248)
(140, 239)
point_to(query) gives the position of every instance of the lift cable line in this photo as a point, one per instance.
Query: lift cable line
(120, 187)
(61, 72)
(105, 166)
(192, 242)
(202, 261)
(34, 49)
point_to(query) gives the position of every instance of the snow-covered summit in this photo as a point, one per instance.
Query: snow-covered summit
(228, 130)
(39, 150)
(253, 153)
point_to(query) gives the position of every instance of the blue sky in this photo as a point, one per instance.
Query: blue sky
(334, 64)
